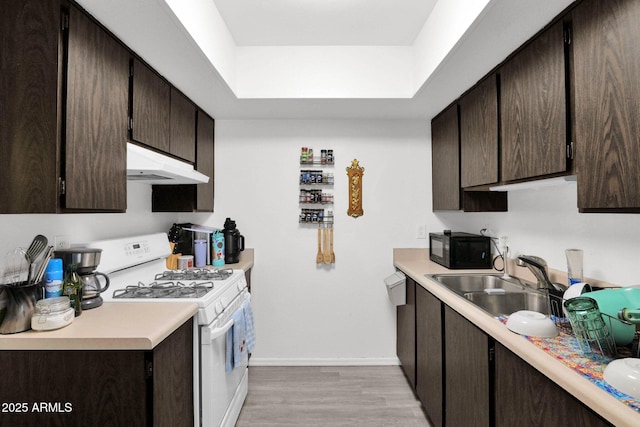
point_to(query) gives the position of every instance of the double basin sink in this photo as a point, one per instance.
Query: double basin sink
(494, 294)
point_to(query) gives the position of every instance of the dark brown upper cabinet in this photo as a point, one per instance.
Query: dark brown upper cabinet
(606, 65)
(95, 153)
(191, 197)
(61, 156)
(445, 168)
(533, 108)
(29, 84)
(479, 134)
(151, 109)
(183, 127)
(205, 162)
(445, 160)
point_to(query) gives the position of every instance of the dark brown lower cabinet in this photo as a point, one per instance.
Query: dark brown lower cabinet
(100, 388)
(429, 353)
(406, 333)
(526, 397)
(467, 372)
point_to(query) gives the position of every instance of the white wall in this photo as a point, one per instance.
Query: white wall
(18, 230)
(317, 314)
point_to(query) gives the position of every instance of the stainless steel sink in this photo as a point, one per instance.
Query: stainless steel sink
(463, 283)
(510, 302)
(493, 293)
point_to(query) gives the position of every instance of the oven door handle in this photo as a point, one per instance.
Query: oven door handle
(210, 335)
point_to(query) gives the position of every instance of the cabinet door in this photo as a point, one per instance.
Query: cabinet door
(151, 108)
(96, 119)
(406, 333)
(479, 134)
(429, 350)
(533, 108)
(183, 127)
(467, 381)
(445, 160)
(29, 131)
(525, 397)
(204, 162)
(606, 57)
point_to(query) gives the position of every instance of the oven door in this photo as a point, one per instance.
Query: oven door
(222, 393)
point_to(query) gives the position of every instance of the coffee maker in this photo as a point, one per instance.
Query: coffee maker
(233, 242)
(86, 260)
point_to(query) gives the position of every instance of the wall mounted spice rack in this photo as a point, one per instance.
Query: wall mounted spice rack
(310, 180)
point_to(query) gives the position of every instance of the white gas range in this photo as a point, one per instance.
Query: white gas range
(137, 270)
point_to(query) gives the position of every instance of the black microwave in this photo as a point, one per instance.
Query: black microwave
(460, 250)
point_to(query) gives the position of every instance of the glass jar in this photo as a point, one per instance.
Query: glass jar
(52, 313)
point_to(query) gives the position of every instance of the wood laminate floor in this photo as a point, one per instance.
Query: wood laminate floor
(368, 396)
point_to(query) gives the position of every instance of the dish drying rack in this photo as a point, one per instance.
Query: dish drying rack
(595, 336)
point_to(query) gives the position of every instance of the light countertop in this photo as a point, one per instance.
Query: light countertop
(415, 263)
(112, 326)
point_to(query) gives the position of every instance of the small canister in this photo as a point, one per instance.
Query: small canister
(185, 262)
(52, 313)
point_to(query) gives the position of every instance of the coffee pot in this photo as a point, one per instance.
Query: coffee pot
(92, 288)
(233, 242)
(86, 260)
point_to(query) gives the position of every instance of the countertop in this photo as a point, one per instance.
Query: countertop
(415, 263)
(113, 326)
(116, 326)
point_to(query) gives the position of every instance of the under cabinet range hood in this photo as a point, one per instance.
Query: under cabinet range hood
(148, 167)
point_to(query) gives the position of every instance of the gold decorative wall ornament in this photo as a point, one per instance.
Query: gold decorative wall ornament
(355, 172)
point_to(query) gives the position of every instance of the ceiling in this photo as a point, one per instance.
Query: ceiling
(152, 30)
(324, 22)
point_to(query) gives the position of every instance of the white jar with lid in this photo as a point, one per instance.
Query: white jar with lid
(52, 313)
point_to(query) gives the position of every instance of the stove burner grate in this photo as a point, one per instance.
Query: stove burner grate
(168, 289)
(195, 274)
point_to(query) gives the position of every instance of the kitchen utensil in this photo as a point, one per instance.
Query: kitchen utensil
(21, 301)
(624, 375)
(610, 302)
(589, 326)
(532, 323)
(38, 244)
(319, 256)
(15, 270)
(333, 255)
(326, 257)
(42, 266)
(86, 259)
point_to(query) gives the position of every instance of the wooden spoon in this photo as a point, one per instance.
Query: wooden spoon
(327, 253)
(333, 255)
(319, 256)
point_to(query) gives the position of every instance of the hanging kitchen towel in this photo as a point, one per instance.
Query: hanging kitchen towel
(236, 349)
(250, 331)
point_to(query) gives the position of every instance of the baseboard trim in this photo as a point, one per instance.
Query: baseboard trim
(361, 361)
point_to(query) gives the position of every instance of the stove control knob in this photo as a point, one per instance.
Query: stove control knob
(219, 307)
(224, 301)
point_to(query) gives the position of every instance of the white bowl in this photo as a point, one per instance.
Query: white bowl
(532, 323)
(624, 375)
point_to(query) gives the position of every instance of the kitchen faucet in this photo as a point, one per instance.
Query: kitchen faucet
(538, 267)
